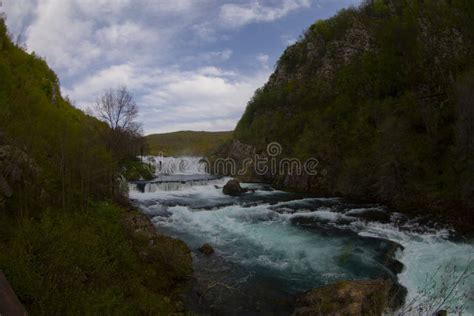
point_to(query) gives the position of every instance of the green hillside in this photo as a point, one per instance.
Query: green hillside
(66, 246)
(382, 95)
(186, 143)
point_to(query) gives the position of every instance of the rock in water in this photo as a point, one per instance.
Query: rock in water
(348, 298)
(206, 249)
(233, 188)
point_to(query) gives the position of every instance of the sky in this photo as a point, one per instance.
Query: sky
(190, 64)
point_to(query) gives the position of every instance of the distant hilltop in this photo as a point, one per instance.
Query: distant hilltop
(186, 143)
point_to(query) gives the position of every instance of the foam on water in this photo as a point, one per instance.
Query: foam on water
(426, 257)
(258, 237)
(261, 231)
(185, 165)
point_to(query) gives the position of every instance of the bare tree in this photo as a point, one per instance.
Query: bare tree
(118, 109)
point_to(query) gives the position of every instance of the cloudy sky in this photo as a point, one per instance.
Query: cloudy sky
(191, 64)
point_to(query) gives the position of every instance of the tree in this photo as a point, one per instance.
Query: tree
(118, 109)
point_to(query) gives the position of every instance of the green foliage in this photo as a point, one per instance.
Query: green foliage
(136, 170)
(186, 143)
(86, 263)
(67, 145)
(63, 252)
(381, 96)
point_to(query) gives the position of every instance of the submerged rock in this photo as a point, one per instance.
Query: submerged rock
(206, 249)
(233, 188)
(351, 298)
(372, 215)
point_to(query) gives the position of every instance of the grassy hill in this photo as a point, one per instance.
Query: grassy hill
(186, 143)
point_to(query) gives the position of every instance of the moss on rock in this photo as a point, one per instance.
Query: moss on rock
(345, 298)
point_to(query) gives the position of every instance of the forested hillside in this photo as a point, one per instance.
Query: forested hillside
(382, 95)
(65, 245)
(188, 143)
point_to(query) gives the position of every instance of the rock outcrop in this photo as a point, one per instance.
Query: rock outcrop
(381, 96)
(233, 188)
(156, 247)
(9, 302)
(16, 169)
(345, 298)
(206, 249)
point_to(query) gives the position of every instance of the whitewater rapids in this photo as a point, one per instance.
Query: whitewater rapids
(271, 244)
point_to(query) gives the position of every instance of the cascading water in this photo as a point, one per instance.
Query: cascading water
(177, 165)
(271, 245)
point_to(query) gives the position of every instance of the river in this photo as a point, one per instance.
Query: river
(271, 245)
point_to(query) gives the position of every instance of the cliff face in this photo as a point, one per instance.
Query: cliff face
(382, 96)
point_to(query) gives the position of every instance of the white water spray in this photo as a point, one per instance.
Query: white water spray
(186, 165)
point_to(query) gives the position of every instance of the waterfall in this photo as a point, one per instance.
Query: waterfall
(185, 165)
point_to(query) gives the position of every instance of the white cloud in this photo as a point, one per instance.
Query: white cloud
(175, 6)
(75, 35)
(205, 31)
(288, 39)
(123, 34)
(61, 36)
(102, 9)
(91, 87)
(235, 15)
(214, 71)
(212, 57)
(174, 55)
(263, 59)
(18, 12)
(206, 98)
(212, 100)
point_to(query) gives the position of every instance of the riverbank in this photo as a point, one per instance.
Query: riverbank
(455, 215)
(106, 259)
(270, 245)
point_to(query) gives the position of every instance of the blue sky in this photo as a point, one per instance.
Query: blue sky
(191, 64)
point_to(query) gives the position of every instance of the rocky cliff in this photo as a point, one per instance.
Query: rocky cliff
(381, 95)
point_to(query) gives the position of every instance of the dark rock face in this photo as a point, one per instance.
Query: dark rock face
(9, 302)
(206, 249)
(349, 298)
(345, 70)
(16, 168)
(233, 188)
(373, 216)
(235, 152)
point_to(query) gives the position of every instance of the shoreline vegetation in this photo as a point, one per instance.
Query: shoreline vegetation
(381, 95)
(70, 243)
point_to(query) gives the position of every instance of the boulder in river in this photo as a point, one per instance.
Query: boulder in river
(349, 298)
(371, 215)
(233, 188)
(206, 249)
